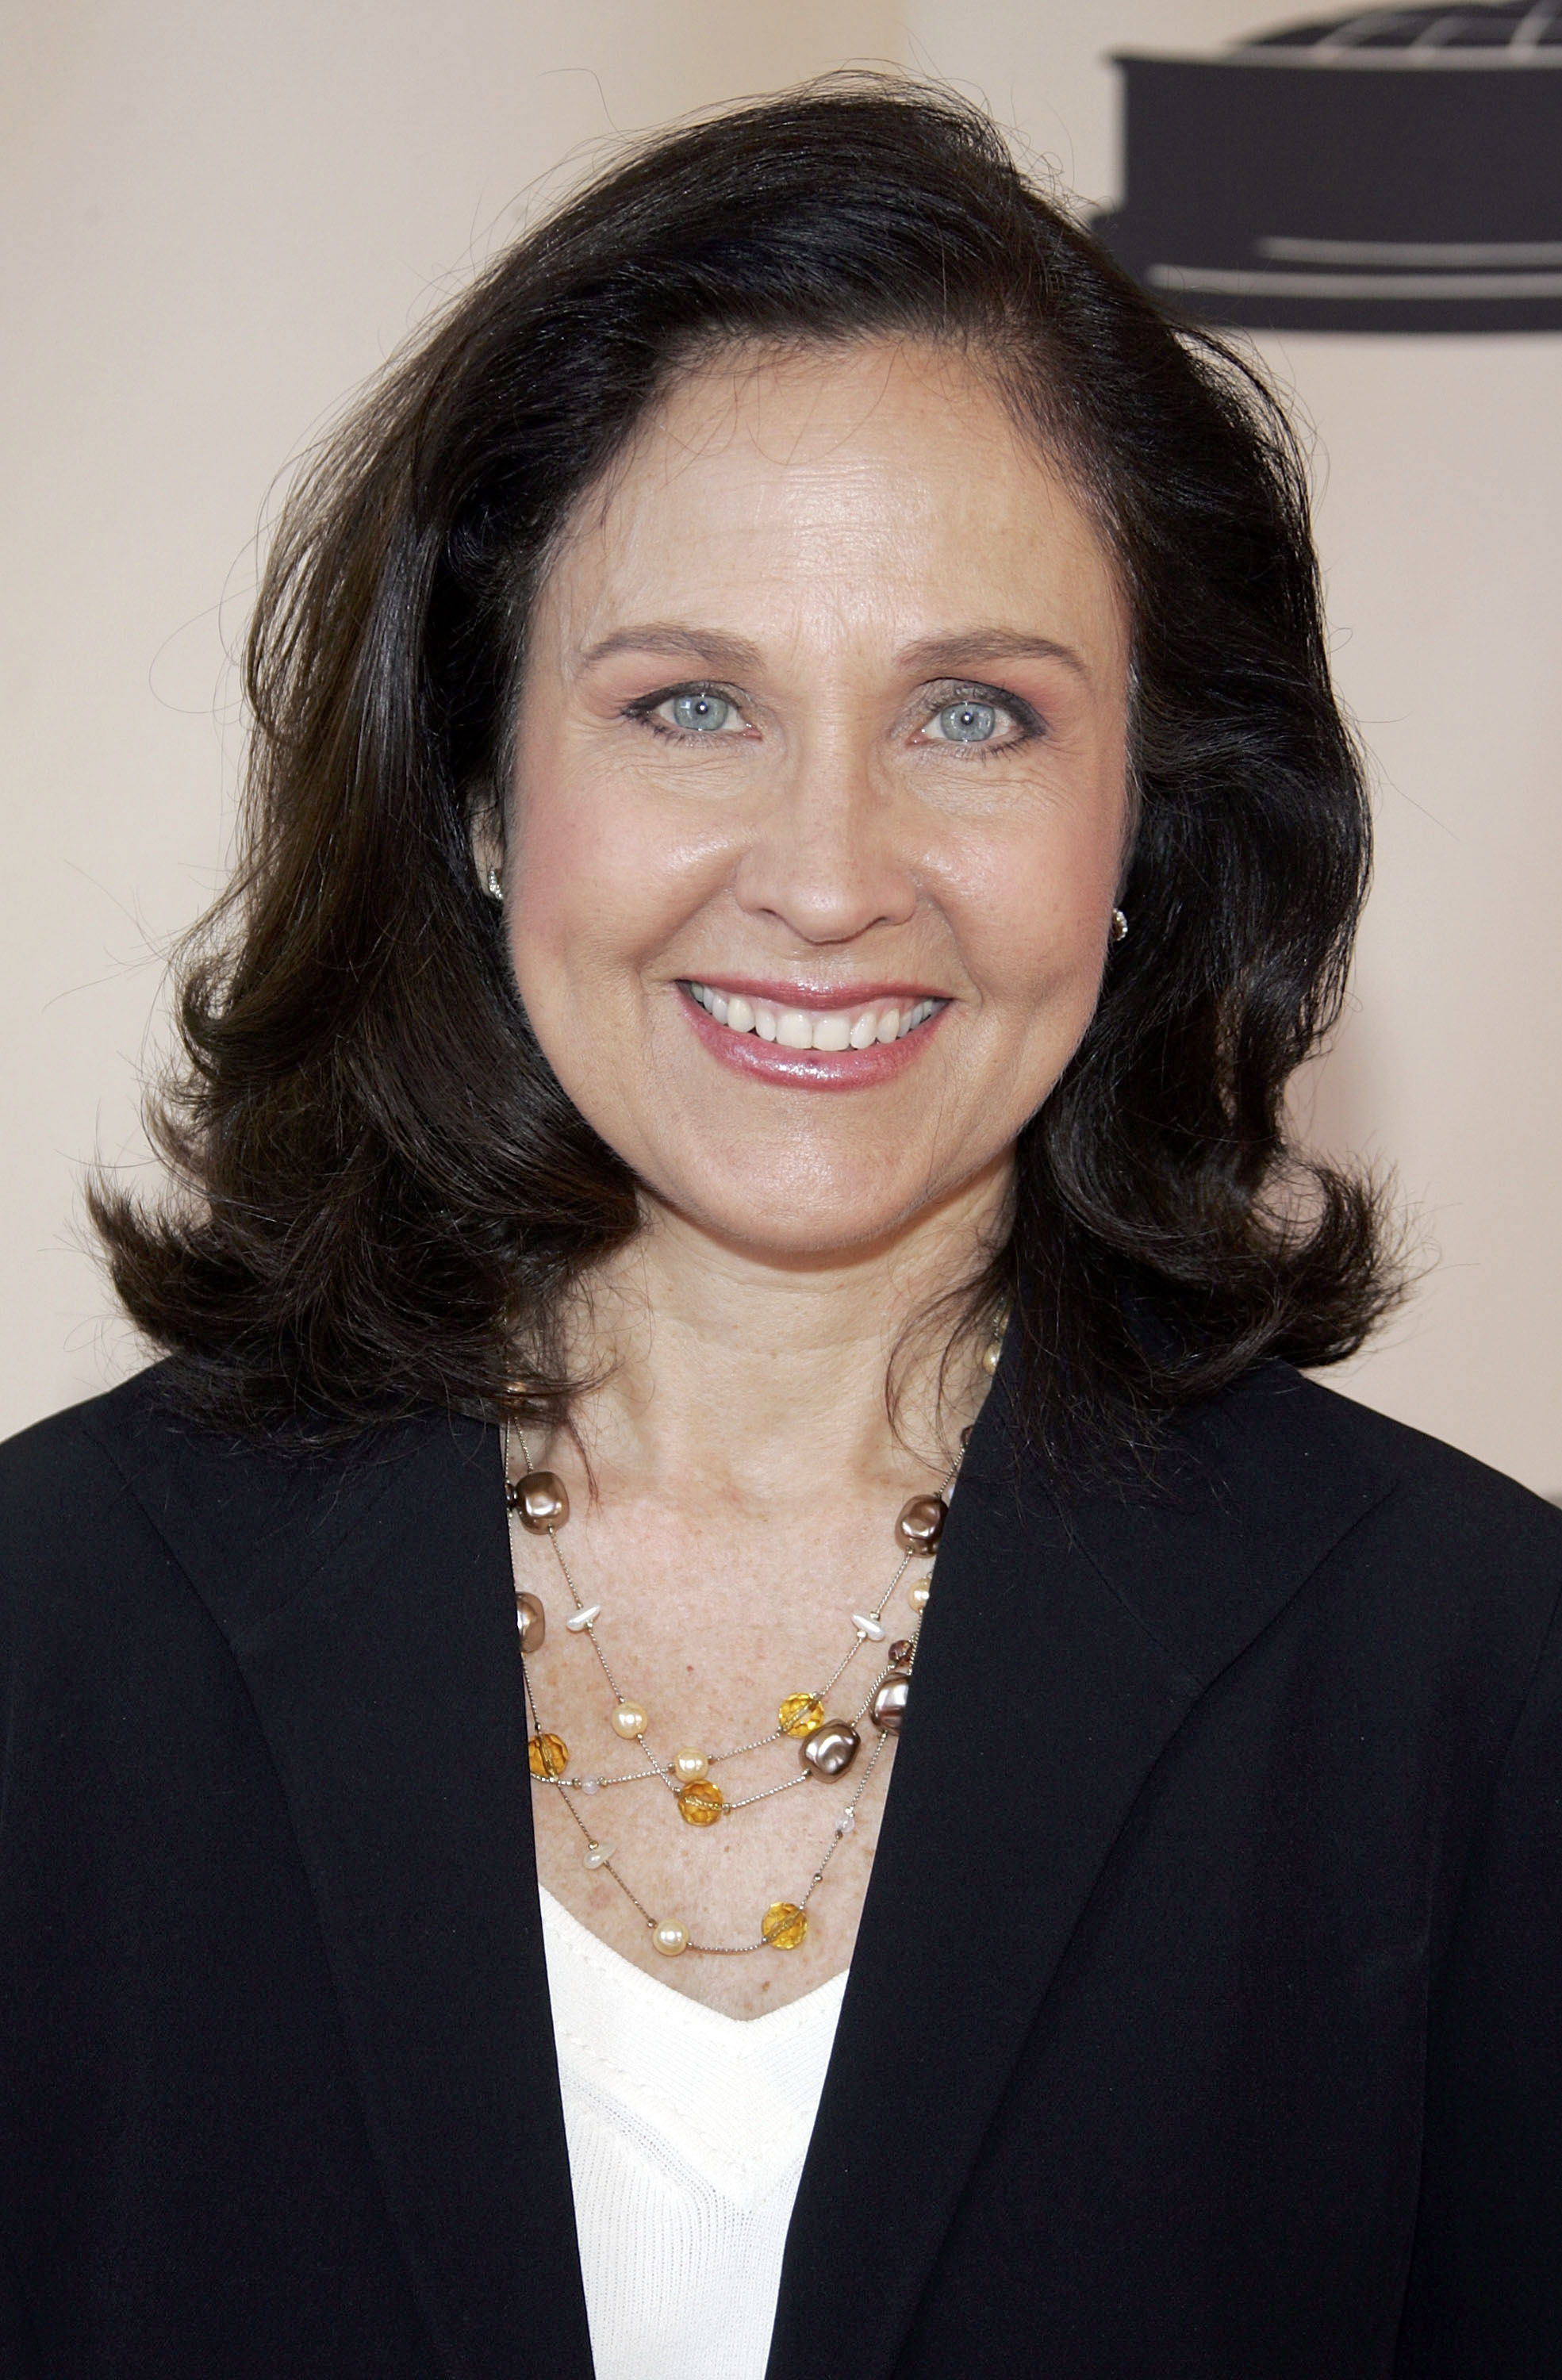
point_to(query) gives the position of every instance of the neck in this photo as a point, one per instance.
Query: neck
(763, 1377)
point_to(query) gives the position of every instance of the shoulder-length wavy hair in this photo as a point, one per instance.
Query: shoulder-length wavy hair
(383, 1195)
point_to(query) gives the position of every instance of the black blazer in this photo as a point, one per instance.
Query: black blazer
(1205, 2015)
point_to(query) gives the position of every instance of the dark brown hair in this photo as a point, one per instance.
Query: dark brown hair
(383, 1195)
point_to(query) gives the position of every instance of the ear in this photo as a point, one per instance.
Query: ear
(486, 834)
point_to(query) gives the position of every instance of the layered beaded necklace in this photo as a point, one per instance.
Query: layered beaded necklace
(827, 1747)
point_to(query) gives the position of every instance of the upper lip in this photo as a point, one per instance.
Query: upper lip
(812, 995)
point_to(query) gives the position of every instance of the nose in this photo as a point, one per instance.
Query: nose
(826, 858)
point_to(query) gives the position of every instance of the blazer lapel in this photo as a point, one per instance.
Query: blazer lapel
(367, 1599)
(1062, 1649)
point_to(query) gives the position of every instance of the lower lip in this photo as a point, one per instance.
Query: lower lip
(811, 1070)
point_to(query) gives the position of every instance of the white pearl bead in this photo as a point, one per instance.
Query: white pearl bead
(579, 1622)
(690, 1764)
(591, 1784)
(597, 1855)
(671, 1938)
(629, 1720)
(917, 1596)
(866, 1625)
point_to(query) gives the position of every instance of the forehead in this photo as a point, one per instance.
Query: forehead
(886, 475)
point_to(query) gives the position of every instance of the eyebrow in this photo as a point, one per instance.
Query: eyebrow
(952, 656)
(932, 656)
(732, 654)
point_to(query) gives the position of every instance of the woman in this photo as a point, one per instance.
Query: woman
(798, 830)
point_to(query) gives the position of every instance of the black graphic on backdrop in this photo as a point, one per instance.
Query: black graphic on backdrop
(1399, 169)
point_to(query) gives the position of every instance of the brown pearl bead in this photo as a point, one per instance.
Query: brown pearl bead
(532, 1621)
(901, 1652)
(889, 1706)
(831, 1749)
(921, 1524)
(539, 1502)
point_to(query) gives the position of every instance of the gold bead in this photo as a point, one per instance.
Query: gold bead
(629, 1720)
(784, 1926)
(548, 1755)
(702, 1803)
(991, 1353)
(539, 1502)
(921, 1524)
(918, 1592)
(671, 1938)
(532, 1621)
(689, 1763)
(800, 1714)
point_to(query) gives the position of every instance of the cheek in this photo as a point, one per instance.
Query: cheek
(1034, 917)
(601, 880)
(576, 877)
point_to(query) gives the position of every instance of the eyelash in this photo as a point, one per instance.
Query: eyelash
(952, 692)
(644, 708)
(948, 696)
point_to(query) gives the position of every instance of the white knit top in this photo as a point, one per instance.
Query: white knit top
(687, 2131)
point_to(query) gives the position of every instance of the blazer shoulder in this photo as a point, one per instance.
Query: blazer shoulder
(1316, 1422)
(131, 1481)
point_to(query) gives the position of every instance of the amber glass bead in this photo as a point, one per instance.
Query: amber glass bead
(921, 1524)
(784, 1926)
(548, 1755)
(800, 1714)
(901, 1652)
(539, 1502)
(702, 1803)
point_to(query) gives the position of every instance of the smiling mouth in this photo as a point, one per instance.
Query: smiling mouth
(832, 1029)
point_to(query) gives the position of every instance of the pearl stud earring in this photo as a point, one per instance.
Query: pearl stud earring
(493, 886)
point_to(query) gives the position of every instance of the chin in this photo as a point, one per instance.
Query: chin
(777, 1217)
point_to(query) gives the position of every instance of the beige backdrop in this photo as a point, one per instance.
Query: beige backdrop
(219, 217)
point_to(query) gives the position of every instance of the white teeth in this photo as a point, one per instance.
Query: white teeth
(831, 1030)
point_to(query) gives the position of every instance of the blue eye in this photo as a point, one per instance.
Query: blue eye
(967, 722)
(701, 714)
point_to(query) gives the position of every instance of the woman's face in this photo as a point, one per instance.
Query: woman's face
(820, 800)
